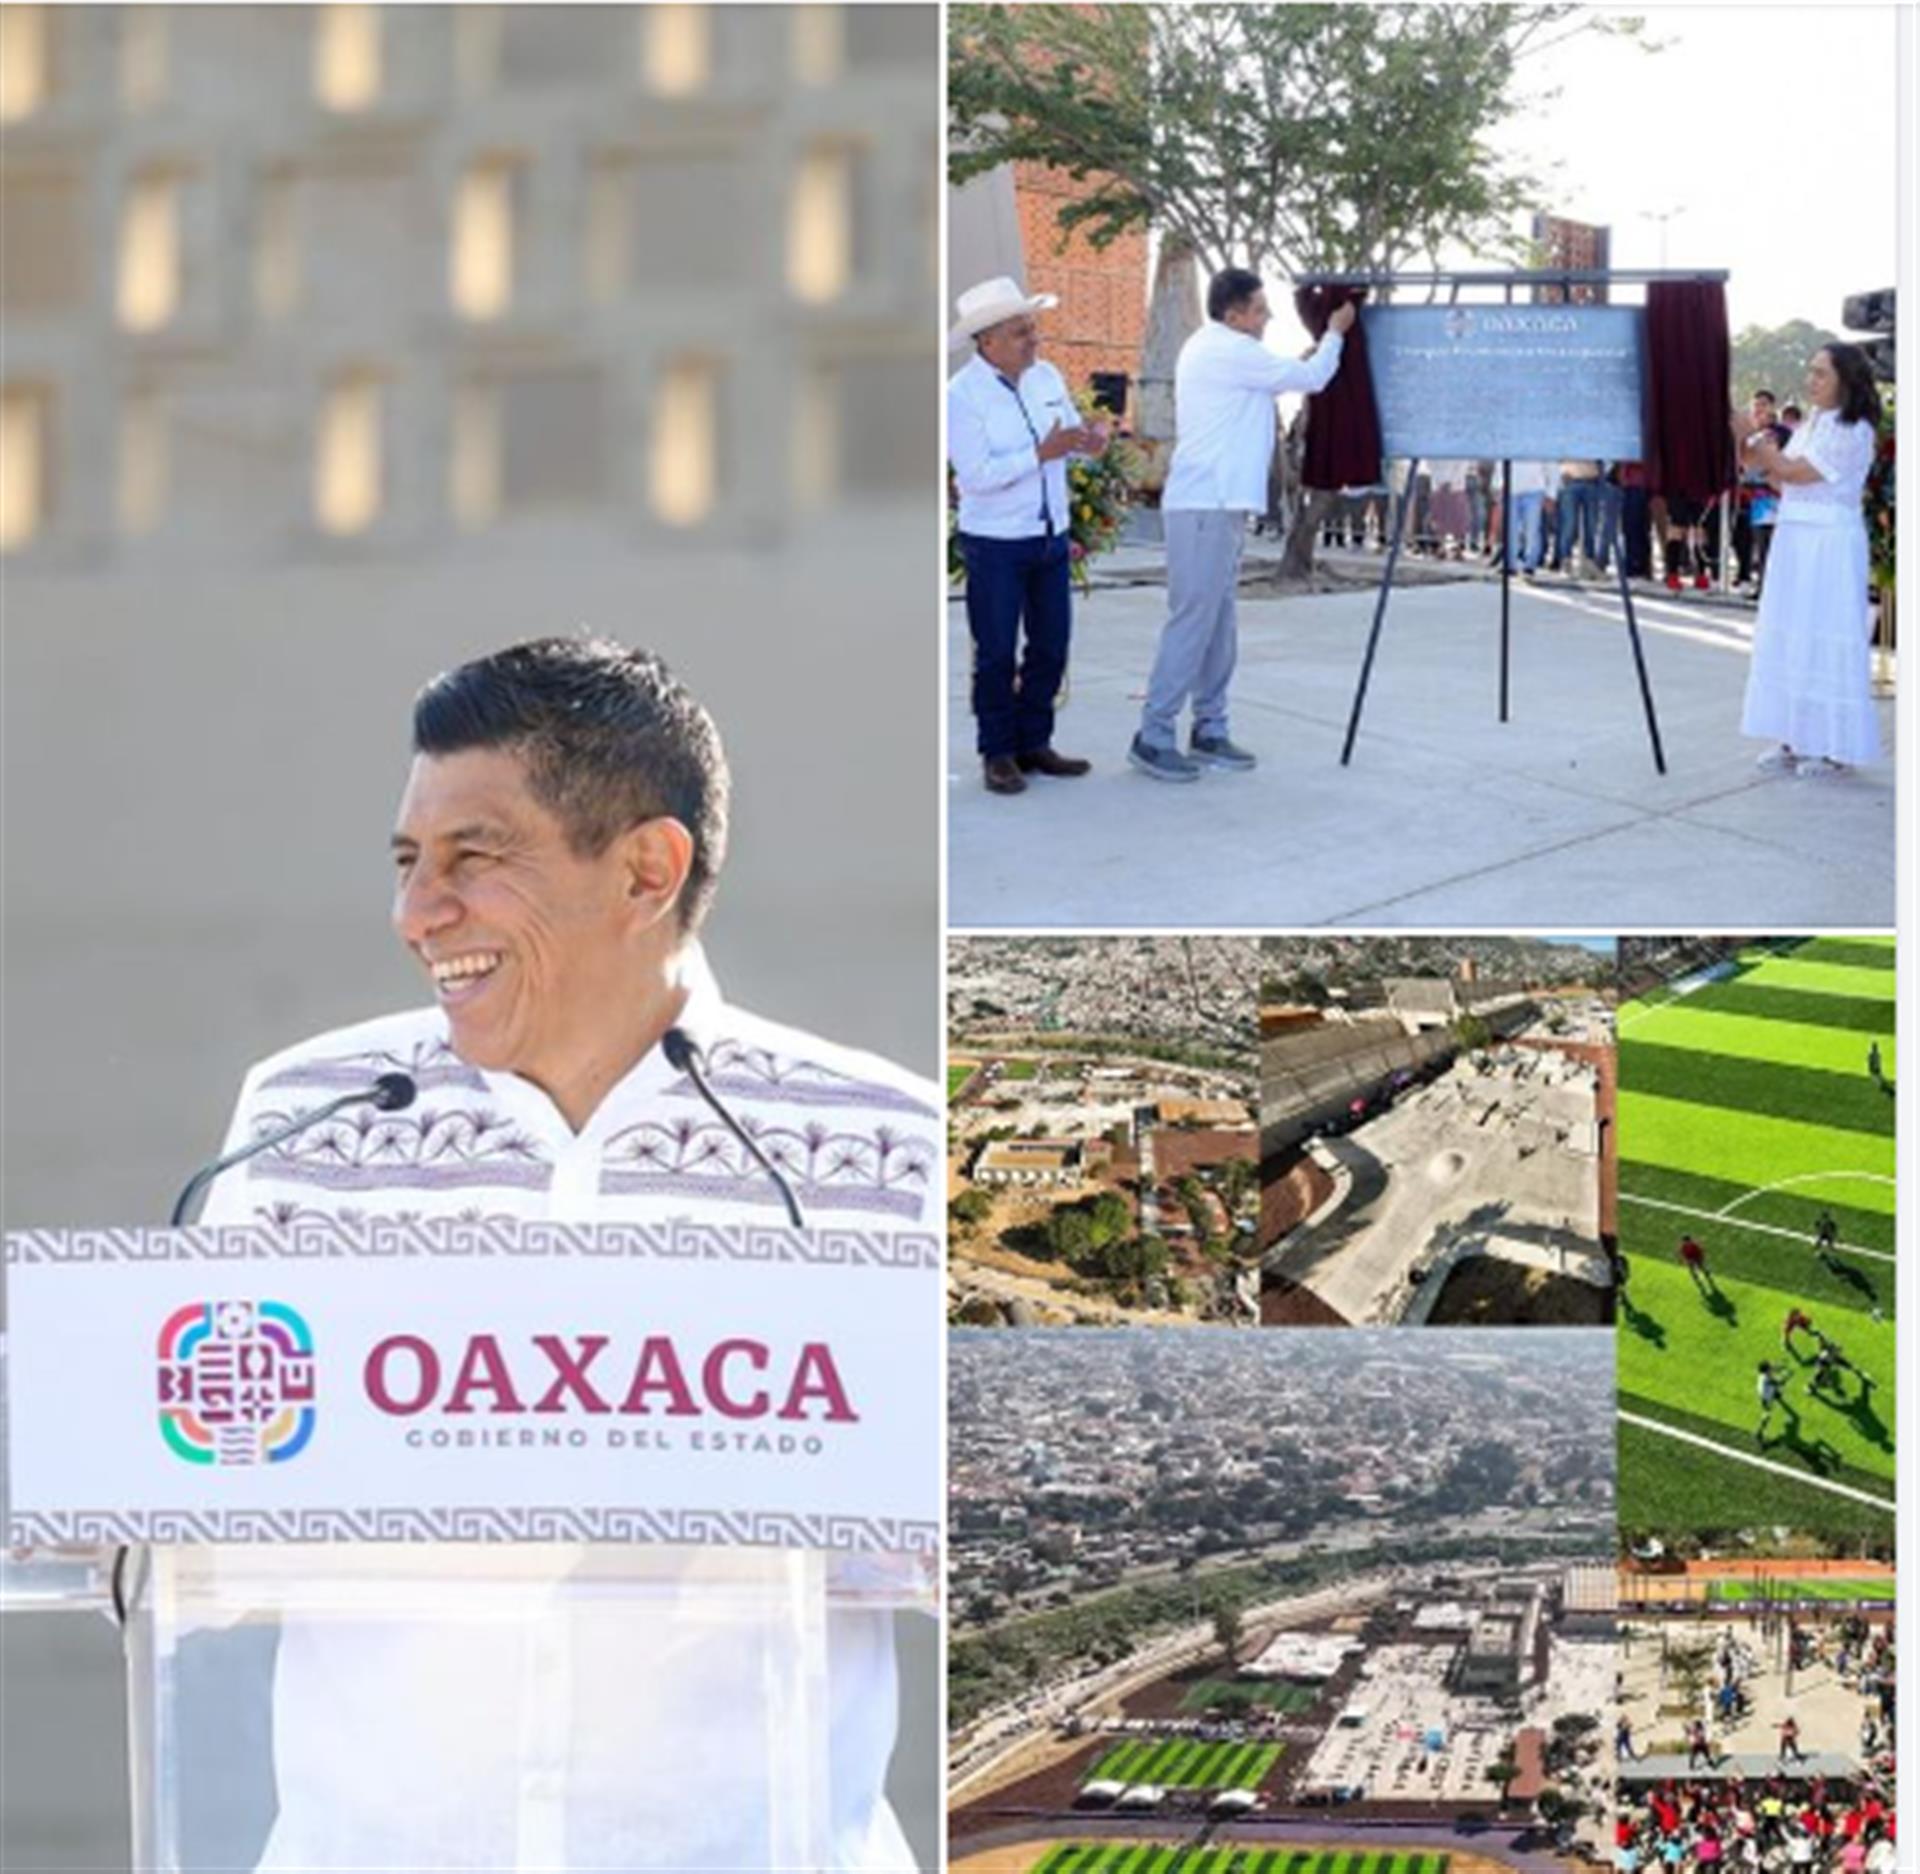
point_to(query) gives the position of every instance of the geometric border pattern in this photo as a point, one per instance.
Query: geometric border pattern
(717, 1528)
(319, 1239)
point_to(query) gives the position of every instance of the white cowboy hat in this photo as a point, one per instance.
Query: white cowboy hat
(990, 302)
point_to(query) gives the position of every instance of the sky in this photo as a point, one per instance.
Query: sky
(1784, 180)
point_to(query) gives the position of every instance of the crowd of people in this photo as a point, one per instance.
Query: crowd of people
(1788, 1819)
(1819, 1825)
(1578, 517)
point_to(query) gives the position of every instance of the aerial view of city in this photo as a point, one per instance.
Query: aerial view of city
(1436, 1131)
(1102, 1148)
(1285, 1590)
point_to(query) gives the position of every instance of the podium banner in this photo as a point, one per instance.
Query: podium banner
(447, 1380)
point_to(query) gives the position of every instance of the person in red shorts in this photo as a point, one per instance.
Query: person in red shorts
(1797, 1322)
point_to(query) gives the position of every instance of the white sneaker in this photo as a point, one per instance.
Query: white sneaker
(1819, 767)
(1781, 760)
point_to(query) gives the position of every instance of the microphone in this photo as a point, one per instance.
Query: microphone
(391, 1093)
(683, 1052)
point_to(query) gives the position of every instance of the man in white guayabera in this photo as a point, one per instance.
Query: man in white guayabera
(558, 843)
(1224, 388)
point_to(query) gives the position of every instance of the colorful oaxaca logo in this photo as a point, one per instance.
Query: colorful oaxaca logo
(236, 1383)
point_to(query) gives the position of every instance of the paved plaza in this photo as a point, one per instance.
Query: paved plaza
(1446, 817)
(1497, 1156)
(1661, 1691)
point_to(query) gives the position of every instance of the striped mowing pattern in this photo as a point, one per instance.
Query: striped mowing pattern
(1125, 1857)
(1185, 1763)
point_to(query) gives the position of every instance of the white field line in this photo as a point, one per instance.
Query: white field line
(1764, 1229)
(1759, 1464)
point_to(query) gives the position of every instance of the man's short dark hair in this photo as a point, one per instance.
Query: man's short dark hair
(609, 739)
(1230, 287)
(1770, 397)
(1791, 409)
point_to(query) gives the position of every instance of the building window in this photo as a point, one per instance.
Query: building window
(676, 49)
(26, 61)
(143, 462)
(349, 453)
(26, 477)
(483, 238)
(473, 489)
(820, 224)
(685, 475)
(143, 56)
(819, 43)
(346, 57)
(149, 287)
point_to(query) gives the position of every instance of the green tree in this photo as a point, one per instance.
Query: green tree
(1070, 1231)
(1285, 138)
(1775, 358)
(970, 1208)
(1229, 1626)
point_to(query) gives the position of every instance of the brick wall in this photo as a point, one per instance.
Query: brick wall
(1101, 321)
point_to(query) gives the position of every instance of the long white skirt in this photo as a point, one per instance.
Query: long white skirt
(1808, 684)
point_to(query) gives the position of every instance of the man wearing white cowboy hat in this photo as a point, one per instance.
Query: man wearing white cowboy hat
(1011, 424)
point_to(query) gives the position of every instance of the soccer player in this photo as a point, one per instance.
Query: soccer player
(1828, 1363)
(1874, 1066)
(1693, 1257)
(1797, 1321)
(1771, 1387)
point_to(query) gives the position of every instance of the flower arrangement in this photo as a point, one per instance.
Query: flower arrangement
(1100, 490)
(1879, 498)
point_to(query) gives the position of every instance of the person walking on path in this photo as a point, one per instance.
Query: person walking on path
(1809, 690)
(1223, 399)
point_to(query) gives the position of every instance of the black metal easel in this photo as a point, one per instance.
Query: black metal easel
(1566, 280)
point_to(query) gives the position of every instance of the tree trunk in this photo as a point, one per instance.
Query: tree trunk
(1304, 509)
(1173, 316)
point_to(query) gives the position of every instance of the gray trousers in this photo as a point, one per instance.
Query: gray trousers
(1200, 639)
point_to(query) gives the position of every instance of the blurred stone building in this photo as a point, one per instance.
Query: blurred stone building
(324, 280)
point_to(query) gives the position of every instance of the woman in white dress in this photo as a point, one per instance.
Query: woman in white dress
(1807, 687)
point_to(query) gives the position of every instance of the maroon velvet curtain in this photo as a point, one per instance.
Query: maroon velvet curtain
(1688, 408)
(1343, 422)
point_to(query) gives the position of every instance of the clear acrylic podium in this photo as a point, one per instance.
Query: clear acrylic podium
(485, 1705)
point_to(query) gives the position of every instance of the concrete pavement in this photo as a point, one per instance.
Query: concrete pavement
(1555, 819)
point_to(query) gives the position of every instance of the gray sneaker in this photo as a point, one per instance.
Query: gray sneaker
(1218, 751)
(1164, 764)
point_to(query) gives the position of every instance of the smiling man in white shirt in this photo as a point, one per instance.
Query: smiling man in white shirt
(1224, 422)
(559, 840)
(1011, 425)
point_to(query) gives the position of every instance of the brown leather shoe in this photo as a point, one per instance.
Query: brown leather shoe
(1045, 761)
(1003, 775)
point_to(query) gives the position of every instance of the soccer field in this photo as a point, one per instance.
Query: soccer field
(1128, 1857)
(1746, 1107)
(1186, 1763)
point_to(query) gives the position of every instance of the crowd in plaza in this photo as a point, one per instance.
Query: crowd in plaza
(1816, 1824)
(1788, 1820)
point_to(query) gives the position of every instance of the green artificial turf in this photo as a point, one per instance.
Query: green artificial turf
(1126, 1857)
(1745, 1109)
(1186, 1763)
(1801, 1588)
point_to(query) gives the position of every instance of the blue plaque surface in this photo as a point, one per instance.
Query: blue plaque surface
(1524, 383)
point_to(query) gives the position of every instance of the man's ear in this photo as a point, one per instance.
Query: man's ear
(656, 858)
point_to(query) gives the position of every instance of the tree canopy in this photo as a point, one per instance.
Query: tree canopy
(1290, 137)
